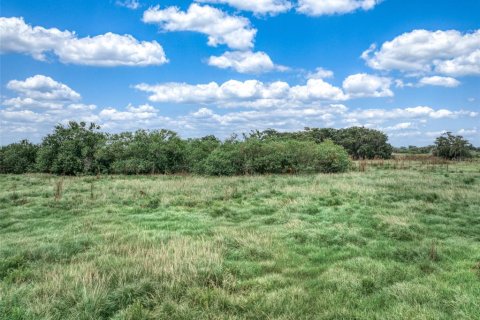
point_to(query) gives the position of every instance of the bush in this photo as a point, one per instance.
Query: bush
(359, 142)
(18, 157)
(70, 149)
(158, 151)
(79, 148)
(198, 150)
(452, 147)
(255, 156)
(223, 161)
(332, 158)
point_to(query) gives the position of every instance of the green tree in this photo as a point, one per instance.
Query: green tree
(18, 157)
(452, 147)
(71, 149)
(158, 151)
(360, 142)
(198, 150)
(224, 160)
(331, 158)
(256, 156)
(364, 143)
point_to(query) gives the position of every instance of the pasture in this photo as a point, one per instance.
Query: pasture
(390, 240)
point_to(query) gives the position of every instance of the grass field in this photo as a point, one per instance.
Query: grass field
(379, 244)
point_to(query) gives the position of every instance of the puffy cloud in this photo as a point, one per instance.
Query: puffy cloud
(44, 88)
(23, 123)
(469, 132)
(331, 7)
(320, 73)
(221, 28)
(22, 115)
(105, 50)
(422, 51)
(249, 93)
(464, 65)
(400, 126)
(366, 85)
(131, 113)
(22, 102)
(110, 50)
(439, 81)
(61, 105)
(245, 62)
(230, 92)
(317, 89)
(259, 7)
(42, 103)
(40, 91)
(17, 36)
(256, 94)
(408, 113)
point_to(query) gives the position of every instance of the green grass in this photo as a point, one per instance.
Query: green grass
(380, 244)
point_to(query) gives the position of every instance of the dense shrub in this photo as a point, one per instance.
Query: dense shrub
(70, 149)
(452, 147)
(364, 143)
(255, 156)
(292, 156)
(223, 161)
(159, 151)
(18, 157)
(198, 150)
(331, 158)
(360, 142)
(78, 148)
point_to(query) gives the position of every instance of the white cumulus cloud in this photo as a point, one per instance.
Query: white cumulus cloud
(257, 94)
(331, 7)
(40, 91)
(401, 126)
(320, 73)
(367, 85)
(131, 113)
(245, 62)
(439, 81)
(249, 93)
(220, 27)
(418, 112)
(105, 50)
(450, 52)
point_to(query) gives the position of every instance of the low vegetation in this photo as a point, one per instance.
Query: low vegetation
(82, 149)
(390, 239)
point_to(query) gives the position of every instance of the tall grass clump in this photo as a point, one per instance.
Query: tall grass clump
(58, 189)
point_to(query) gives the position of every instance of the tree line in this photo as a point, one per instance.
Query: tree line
(81, 148)
(447, 146)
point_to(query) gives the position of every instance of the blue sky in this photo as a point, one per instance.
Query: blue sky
(409, 68)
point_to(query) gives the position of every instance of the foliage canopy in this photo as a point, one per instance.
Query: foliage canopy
(81, 148)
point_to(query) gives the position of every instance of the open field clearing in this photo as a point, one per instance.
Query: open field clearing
(384, 243)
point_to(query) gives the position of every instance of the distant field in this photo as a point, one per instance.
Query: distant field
(399, 240)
